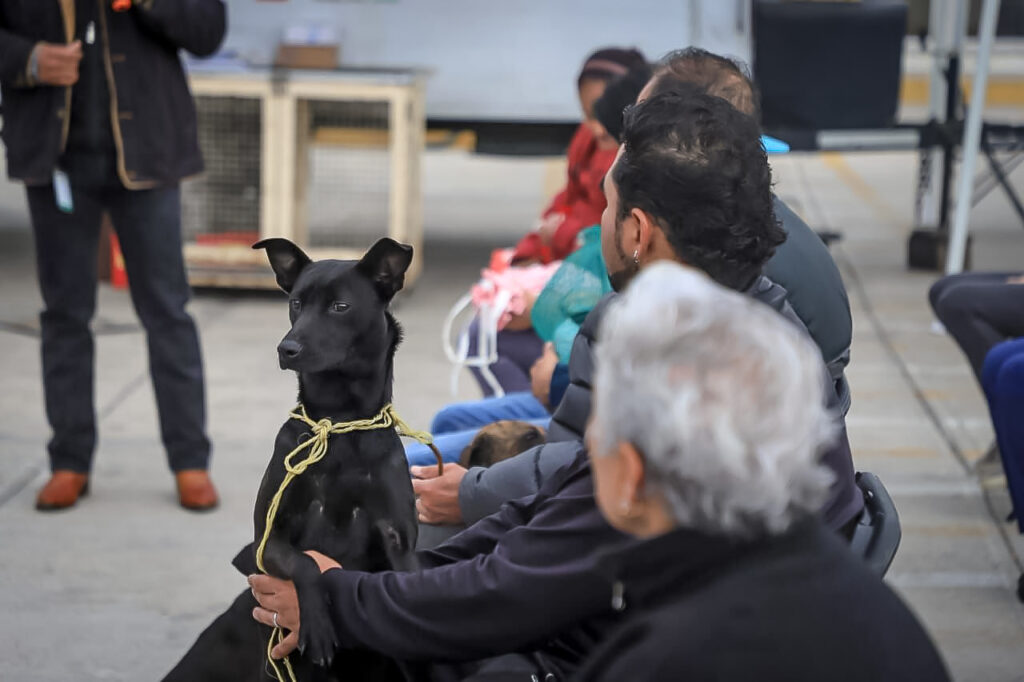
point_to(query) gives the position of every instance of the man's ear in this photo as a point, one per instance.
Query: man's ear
(286, 259)
(643, 231)
(385, 264)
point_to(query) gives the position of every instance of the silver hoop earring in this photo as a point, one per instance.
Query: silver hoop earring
(636, 256)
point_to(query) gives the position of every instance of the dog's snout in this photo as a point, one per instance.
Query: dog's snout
(289, 349)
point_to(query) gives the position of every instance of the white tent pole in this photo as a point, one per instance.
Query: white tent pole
(972, 138)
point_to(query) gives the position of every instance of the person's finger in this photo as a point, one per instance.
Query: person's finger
(286, 645)
(266, 584)
(262, 615)
(75, 49)
(420, 486)
(270, 602)
(421, 511)
(323, 562)
(423, 472)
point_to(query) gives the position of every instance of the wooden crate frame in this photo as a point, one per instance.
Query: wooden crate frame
(284, 144)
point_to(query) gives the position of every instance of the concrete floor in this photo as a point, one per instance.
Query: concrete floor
(118, 588)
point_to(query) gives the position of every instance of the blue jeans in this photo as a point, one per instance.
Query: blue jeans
(1002, 377)
(148, 226)
(455, 426)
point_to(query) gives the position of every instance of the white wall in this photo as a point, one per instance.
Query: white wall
(493, 59)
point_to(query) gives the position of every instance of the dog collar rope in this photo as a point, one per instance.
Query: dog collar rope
(322, 430)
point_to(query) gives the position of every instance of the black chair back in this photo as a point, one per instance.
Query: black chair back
(828, 65)
(877, 534)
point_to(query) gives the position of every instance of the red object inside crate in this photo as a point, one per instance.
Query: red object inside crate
(241, 238)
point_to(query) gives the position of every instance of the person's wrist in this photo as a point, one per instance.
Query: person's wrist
(33, 65)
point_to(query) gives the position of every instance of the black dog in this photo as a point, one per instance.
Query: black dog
(355, 505)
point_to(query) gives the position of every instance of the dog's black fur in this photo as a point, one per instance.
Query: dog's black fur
(356, 505)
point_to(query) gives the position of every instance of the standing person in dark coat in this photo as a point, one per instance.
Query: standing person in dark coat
(708, 420)
(98, 117)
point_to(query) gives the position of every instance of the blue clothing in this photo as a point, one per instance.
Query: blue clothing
(774, 145)
(455, 426)
(474, 414)
(559, 382)
(1002, 378)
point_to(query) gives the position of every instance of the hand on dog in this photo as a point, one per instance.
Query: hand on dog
(279, 596)
(437, 497)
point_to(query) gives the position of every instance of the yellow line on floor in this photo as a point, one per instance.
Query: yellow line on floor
(1003, 91)
(836, 162)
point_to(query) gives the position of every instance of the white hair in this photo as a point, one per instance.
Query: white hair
(722, 396)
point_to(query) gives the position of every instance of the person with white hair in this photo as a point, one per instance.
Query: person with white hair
(709, 421)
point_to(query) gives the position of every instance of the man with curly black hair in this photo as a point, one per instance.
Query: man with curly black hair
(691, 184)
(695, 182)
(802, 265)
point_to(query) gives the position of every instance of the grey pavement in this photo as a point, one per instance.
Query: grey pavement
(117, 588)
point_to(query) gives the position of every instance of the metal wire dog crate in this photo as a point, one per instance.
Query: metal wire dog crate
(330, 160)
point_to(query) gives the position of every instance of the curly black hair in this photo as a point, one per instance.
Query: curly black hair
(696, 165)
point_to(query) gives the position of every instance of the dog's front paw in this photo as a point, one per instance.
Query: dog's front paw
(317, 639)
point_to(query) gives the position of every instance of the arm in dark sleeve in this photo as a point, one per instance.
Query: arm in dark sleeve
(15, 51)
(484, 490)
(559, 382)
(194, 25)
(538, 581)
(479, 538)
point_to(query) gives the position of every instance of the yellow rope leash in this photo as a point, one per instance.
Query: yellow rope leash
(317, 445)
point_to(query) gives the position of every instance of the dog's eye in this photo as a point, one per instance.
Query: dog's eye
(339, 307)
(296, 304)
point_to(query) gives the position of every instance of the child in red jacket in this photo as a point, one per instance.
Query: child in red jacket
(591, 154)
(576, 207)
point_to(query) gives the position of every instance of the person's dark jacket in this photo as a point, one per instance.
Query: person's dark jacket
(803, 266)
(483, 491)
(796, 607)
(522, 580)
(151, 108)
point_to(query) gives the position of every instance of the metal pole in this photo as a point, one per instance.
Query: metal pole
(942, 16)
(972, 138)
(956, 34)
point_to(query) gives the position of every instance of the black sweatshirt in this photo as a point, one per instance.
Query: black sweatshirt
(523, 580)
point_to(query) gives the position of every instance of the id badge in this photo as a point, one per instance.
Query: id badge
(62, 191)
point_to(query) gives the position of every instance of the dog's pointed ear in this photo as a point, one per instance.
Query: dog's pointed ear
(286, 259)
(385, 264)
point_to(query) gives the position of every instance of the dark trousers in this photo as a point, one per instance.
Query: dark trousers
(979, 310)
(148, 226)
(517, 351)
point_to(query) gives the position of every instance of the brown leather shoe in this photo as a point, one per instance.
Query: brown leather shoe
(62, 490)
(195, 490)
